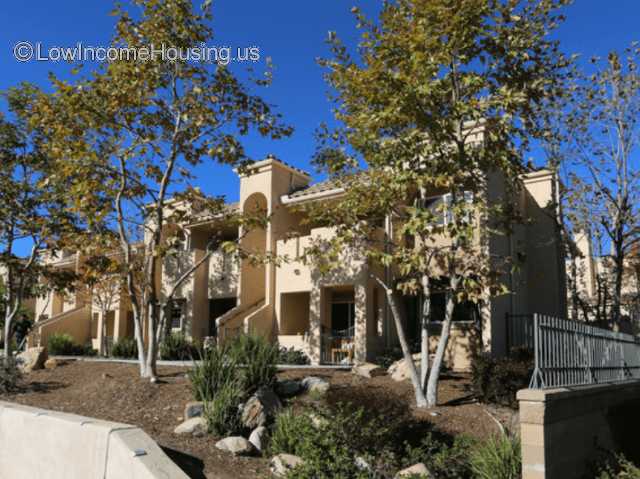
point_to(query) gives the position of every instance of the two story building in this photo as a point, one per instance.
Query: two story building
(333, 318)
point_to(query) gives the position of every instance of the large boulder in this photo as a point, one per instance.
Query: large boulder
(193, 409)
(31, 359)
(314, 384)
(259, 438)
(196, 426)
(281, 464)
(288, 387)
(259, 408)
(419, 470)
(399, 371)
(368, 370)
(236, 445)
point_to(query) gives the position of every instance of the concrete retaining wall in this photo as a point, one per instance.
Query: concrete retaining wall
(40, 443)
(563, 430)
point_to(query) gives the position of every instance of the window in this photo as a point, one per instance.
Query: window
(465, 311)
(342, 313)
(182, 241)
(440, 207)
(176, 313)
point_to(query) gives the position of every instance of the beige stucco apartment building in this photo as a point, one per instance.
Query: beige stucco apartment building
(333, 318)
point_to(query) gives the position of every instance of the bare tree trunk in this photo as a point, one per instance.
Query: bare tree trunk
(424, 332)
(617, 296)
(152, 349)
(142, 358)
(434, 374)
(8, 323)
(406, 352)
(103, 339)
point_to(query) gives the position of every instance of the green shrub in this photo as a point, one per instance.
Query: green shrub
(9, 376)
(292, 356)
(177, 347)
(496, 458)
(61, 344)
(330, 443)
(617, 467)
(222, 412)
(445, 461)
(497, 380)
(126, 348)
(216, 368)
(227, 374)
(289, 429)
(258, 358)
(84, 350)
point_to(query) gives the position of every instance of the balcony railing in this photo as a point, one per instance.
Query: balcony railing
(337, 347)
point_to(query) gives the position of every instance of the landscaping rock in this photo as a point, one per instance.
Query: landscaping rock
(288, 388)
(314, 384)
(416, 470)
(51, 363)
(259, 437)
(281, 464)
(31, 359)
(259, 408)
(399, 371)
(236, 445)
(196, 426)
(193, 409)
(368, 370)
(362, 464)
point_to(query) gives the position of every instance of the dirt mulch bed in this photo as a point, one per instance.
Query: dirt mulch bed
(457, 412)
(114, 392)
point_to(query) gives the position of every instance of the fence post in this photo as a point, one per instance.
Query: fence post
(536, 379)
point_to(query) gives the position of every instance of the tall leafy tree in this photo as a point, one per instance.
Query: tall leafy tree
(441, 97)
(32, 214)
(603, 181)
(128, 136)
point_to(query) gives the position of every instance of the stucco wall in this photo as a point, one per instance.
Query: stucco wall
(294, 313)
(76, 323)
(40, 443)
(562, 430)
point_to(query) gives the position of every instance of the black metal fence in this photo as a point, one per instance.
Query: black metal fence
(571, 353)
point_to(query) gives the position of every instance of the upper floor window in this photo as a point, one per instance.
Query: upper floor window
(176, 313)
(440, 207)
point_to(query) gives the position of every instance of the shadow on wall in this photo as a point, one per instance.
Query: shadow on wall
(624, 421)
(190, 465)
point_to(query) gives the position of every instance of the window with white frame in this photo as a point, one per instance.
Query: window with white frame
(176, 313)
(440, 207)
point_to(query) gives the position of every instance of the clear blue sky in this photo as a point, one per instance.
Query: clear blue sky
(291, 32)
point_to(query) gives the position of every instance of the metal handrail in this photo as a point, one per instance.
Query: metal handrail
(571, 353)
